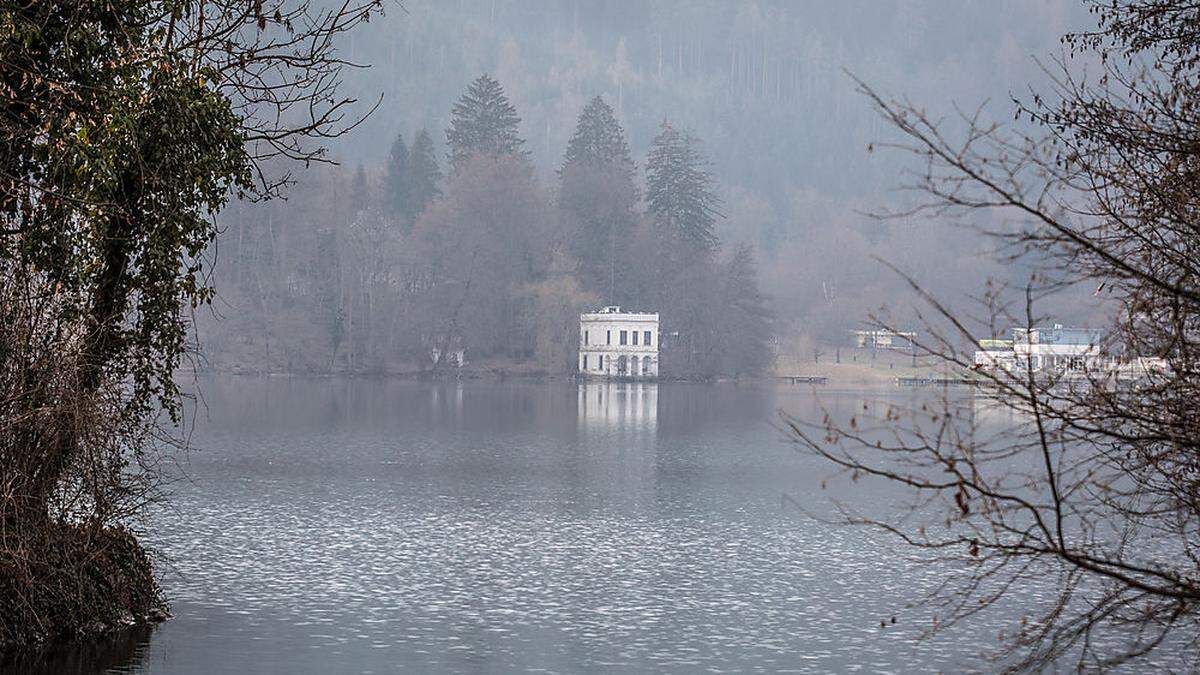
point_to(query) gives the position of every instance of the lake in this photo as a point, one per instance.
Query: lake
(370, 526)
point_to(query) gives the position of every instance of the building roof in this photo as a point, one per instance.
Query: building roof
(1058, 335)
(614, 313)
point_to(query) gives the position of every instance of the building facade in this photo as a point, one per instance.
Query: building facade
(613, 343)
(1039, 349)
(1070, 353)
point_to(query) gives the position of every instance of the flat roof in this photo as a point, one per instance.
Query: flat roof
(1058, 335)
(614, 316)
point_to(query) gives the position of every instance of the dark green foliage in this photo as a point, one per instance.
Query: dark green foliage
(490, 267)
(395, 183)
(745, 332)
(412, 178)
(360, 190)
(112, 167)
(422, 178)
(679, 192)
(483, 122)
(597, 189)
(599, 139)
(126, 127)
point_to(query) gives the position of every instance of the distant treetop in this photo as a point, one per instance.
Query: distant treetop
(680, 191)
(483, 122)
(598, 138)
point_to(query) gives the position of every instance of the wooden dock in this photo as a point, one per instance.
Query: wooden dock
(935, 381)
(804, 379)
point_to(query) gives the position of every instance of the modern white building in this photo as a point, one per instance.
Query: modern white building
(613, 343)
(1053, 350)
(1058, 349)
(1068, 353)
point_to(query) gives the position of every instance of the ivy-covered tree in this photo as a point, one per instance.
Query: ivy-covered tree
(422, 177)
(680, 192)
(396, 181)
(483, 122)
(127, 126)
(597, 189)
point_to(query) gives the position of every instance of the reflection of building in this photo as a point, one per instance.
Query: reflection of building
(619, 405)
(613, 343)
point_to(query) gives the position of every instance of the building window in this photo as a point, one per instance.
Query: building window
(624, 337)
(585, 337)
(585, 361)
(635, 337)
(608, 337)
(646, 340)
(601, 366)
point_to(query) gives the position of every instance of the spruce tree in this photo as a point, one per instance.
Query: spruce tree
(745, 333)
(397, 177)
(679, 190)
(422, 176)
(598, 139)
(483, 122)
(597, 188)
(360, 191)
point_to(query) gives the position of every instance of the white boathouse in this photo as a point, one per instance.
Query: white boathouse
(613, 343)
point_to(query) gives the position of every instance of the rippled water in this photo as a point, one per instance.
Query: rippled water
(358, 526)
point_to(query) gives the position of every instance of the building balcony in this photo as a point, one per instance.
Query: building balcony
(629, 349)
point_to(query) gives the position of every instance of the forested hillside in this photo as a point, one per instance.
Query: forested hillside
(765, 85)
(379, 271)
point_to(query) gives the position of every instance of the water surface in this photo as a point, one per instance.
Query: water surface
(332, 526)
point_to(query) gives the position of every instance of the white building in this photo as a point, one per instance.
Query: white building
(613, 343)
(1053, 350)
(1057, 349)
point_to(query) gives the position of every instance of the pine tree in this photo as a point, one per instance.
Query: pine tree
(397, 177)
(679, 190)
(483, 122)
(597, 188)
(745, 333)
(421, 177)
(598, 139)
(360, 193)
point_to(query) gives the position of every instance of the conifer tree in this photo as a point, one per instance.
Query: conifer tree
(744, 335)
(679, 191)
(422, 176)
(598, 139)
(597, 188)
(483, 122)
(360, 192)
(397, 177)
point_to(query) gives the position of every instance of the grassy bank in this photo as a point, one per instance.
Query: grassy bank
(850, 365)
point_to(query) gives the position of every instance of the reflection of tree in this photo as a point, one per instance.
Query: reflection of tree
(124, 650)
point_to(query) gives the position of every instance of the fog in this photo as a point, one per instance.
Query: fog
(797, 154)
(609, 335)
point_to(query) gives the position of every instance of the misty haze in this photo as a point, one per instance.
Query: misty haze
(580, 336)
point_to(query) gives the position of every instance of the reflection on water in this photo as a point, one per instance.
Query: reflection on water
(357, 526)
(631, 406)
(118, 653)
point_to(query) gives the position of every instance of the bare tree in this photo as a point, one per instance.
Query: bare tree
(1093, 483)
